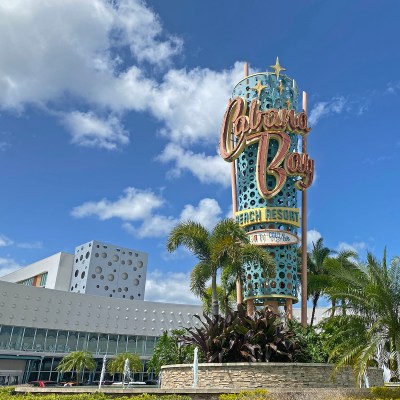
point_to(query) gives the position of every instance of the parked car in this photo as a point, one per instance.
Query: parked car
(44, 383)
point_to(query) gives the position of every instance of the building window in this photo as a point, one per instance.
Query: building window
(43, 279)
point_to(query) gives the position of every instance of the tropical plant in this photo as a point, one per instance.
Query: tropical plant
(227, 247)
(309, 343)
(238, 337)
(77, 361)
(226, 298)
(318, 278)
(369, 333)
(168, 350)
(117, 364)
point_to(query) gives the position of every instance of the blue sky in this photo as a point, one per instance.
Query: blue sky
(110, 113)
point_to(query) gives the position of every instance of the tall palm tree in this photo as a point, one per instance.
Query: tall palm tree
(318, 279)
(77, 361)
(369, 333)
(226, 246)
(117, 364)
(344, 260)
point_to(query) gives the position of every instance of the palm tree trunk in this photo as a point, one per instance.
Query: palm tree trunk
(214, 297)
(333, 309)
(314, 302)
(239, 292)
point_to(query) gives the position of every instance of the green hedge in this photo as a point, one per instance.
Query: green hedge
(8, 393)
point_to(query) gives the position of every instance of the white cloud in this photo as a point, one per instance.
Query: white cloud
(142, 30)
(312, 237)
(8, 265)
(208, 212)
(355, 246)
(153, 226)
(139, 205)
(70, 51)
(393, 87)
(323, 109)
(91, 131)
(37, 244)
(170, 287)
(4, 146)
(5, 241)
(133, 205)
(208, 169)
(192, 103)
(84, 56)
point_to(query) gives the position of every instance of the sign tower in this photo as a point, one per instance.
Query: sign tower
(264, 136)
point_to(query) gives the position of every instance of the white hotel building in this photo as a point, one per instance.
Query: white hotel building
(91, 300)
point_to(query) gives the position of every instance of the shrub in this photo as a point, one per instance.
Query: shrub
(239, 337)
(259, 394)
(383, 392)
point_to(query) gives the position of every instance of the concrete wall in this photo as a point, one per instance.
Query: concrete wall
(262, 375)
(53, 309)
(106, 270)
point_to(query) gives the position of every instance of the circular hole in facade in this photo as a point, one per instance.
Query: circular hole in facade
(136, 282)
(106, 287)
(129, 262)
(104, 255)
(115, 258)
(87, 255)
(81, 257)
(134, 268)
(131, 297)
(96, 254)
(125, 289)
(123, 262)
(140, 264)
(281, 275)
(110, 277)
(93, 276)
(119, 290)
(83, 274)
(109, 263)
(101, 277)
(124, 276)
(76, 285)
(97, 286)
(76, 273)
(98, 270)
(72, 288)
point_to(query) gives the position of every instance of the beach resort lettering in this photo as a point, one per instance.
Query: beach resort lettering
(283, 215)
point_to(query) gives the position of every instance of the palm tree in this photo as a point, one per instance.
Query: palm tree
(344, 260)
(77, 361)
(117, 364)
(226, 298)
(318, 279)
(226, 246)
(369, 333)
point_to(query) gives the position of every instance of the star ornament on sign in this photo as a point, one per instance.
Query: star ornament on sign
(259, 88)
(277, 68)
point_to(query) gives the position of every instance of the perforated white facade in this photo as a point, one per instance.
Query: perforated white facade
(106, 270)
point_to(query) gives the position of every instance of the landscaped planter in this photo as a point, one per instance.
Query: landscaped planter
(262, 375)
